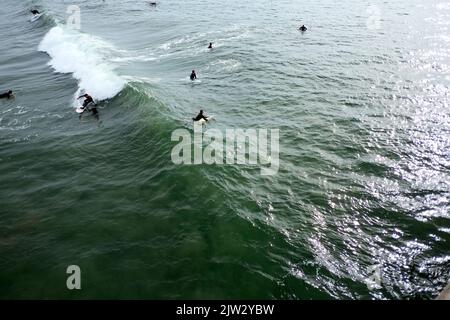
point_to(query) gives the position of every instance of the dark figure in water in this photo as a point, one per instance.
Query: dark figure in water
(7, 95)
(303, 28)
(210, 45)
(193, 75)
(153, 4)
(35, 12)
(200, 116)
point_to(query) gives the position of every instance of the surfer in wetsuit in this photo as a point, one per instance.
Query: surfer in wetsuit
(303, 28)
(87, 99)
(200, 116)
(193, 75)
(210, 45)
(35, 12)
(7, 95)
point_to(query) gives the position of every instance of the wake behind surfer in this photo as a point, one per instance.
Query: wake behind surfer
(200, 116)
(7, 95)
(193, 75)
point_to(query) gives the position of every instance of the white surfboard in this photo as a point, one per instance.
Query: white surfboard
(36, 17)
(203, 121)
(78, 103)
(79, 110)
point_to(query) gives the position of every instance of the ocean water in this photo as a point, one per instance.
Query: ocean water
(363, 189)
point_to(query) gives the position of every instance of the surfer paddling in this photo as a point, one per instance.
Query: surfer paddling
(200, 116)
(7, 95)
(35, 12)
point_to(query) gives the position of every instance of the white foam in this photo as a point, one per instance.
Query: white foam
(86, 57)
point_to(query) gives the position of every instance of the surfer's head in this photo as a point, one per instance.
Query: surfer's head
(9, 91)
(201, 111)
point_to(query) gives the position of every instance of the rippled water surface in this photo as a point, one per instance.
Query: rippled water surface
(362, 104)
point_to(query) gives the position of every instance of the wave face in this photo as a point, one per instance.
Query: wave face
(84, 56)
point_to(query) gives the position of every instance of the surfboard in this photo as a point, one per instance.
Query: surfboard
(189, 81)
(35, 17)
(203, 121)
(78, 104)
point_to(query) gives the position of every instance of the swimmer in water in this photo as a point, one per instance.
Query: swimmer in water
(303, 28)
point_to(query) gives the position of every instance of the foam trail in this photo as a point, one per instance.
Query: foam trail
(84, 56)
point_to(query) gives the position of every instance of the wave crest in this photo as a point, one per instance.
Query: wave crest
(84, 56)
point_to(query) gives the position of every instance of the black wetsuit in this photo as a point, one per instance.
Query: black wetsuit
(303, 28)
(6, 95)
(34, 12)
(87, 101)
(199, 117)
(193, 76)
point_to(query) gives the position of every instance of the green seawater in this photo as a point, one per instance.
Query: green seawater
(361, 101)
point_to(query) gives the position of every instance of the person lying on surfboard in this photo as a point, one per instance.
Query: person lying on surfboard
(35, 12)
(7, 95)
(200, 116)
(303, 28)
